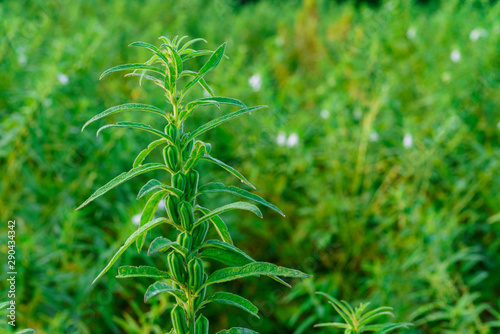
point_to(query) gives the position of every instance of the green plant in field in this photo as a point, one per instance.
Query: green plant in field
(359, 320)
(185, 277)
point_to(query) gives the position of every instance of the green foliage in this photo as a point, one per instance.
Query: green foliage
(359, 320)
(416, 228)
(186, 273)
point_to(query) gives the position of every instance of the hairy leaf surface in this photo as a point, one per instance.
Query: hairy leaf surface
(141, 271)
(161, 287)
(233, 206)
(233, 300)
(229, 169)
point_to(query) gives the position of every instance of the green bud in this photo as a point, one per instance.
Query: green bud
(201, 325)
(179, 320)
(171, 157)
(192, 179)
(171, 203)
(199, 233)
(185, 240)
(186, 215)
(176, 265)
(179, 181)
(196, 272)
(171, 130)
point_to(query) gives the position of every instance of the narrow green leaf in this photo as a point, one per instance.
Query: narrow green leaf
(237, 330)
(196, 54)
(190, 42)
(126, 107)
(154, 185)
(138, 126)
(142, 75)
(141, 271)
(221, 100)
(199, 151)
(333, 324)
(251, 269)
(144, 45)
(219, 225)
(161, 245)
(386, 328)
(216, 187)
(4, 305)
(218, 121)
(130, 240)
(206, 87)
(161, 287)
(144, 153)
(126, 67)
(233, 300)
(211, 63)
(225, 253)
(147, 215)
(177, 61)
(120, 179)
(232, 206)
(27, 330)
(229, 169)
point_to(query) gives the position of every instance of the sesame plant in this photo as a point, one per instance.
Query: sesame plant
(184, 276)
(359, 320)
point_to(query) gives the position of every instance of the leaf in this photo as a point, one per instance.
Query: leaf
(230, 255)
(206, 87)
(196, 54)
(233, 300)
(126, 107)
(142, 271)
(225, 253)
(219, 225)
(144, 45)
(211, 63)
(218, 121)
(190, 42)
(125, 67)
(161, 245)
(177, 61)
(147, 215)
(155, 184)
(120, 179)
(233, 206)
(151, 78)
(138, 126)
(144, 153)
(199, 151)
(27, 330)
(390, 327)
(130, 240)
(4, 305)
(229, 169)
(251, 269)
(216, 187)
(161, 287)
(238, 330)
(221, 100)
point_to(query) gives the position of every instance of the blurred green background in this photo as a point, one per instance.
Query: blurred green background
(381, 145)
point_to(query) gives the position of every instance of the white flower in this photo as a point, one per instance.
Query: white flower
(411, 33)
(63, 78)
(455, 56)
(293, 140)
(136, 219)
(325, 113)
(281, 139)
(22, 59)
(408, 140)
(477, 34)
(255, 82)
(373, 136)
